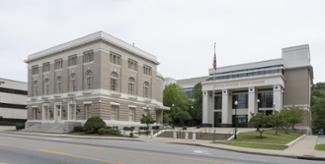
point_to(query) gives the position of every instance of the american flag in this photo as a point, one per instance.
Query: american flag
(215, 58)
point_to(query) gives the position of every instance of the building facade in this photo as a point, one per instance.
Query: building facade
(262, 86)
(96, 75)
(13, 102)
(188, 85)
(257, 87)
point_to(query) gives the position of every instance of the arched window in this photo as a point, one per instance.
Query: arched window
(131, 86)
(35, 88)
(114, 81)
(89, 80)
(146, 89)
(58, 84)
(46, 86)
(73, 84)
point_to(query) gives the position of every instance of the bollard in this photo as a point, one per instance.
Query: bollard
(151, 133)
(174, 134)
(186, 135)
(194, 136)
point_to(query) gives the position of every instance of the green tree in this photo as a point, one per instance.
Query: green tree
(276, 120)
(181, 117)
(296, 115)
(260, 122)
(285, 114)
(175, 98)
(147, 119)
(318, 106)
(196, 111)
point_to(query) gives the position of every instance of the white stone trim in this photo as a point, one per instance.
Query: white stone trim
(101, 92)
(100, 35)
(87, 102)
(132, 106)
(115, 103)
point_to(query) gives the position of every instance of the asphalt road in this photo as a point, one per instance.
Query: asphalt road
(17, 149)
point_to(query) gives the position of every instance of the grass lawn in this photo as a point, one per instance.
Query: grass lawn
(269, 140)
(320, 147)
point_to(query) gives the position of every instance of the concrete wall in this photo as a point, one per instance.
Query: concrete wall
(297, 86)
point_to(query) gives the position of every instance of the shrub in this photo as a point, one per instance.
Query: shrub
(93, 124)
(78, 129)
(20, 126)
(155, 127)
(109, 131)
(129, 128)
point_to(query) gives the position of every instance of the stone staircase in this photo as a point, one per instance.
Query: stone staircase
(56, 127)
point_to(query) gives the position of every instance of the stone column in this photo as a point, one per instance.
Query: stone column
(226, 109)
(205, 107)
(277, 97)
(211, 108)
(251, 102)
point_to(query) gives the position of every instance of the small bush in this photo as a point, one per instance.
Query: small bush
(20, 126)
(93, 124)
(109, 131)
(128, 128)
(78, 129)
(155, 127)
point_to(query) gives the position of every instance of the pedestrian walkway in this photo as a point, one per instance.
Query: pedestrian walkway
(304, 147)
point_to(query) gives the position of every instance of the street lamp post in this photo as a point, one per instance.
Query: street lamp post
(236, 104)
(258, 103)
(173, 105)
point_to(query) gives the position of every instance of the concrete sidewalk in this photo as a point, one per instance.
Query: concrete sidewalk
(303, 149)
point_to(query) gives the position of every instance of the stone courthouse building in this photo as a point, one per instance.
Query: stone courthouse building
(95, 75)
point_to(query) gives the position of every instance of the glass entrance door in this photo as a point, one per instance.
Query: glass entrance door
(217, 119)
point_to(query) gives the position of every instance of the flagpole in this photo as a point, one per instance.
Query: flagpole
(213, 96)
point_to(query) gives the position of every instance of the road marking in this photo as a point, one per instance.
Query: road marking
(56, 152)
(61, 153)
(201, 152)
(185, 157)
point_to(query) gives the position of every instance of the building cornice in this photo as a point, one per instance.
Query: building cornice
(97, 36)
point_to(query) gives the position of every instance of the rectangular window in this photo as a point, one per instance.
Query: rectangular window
(131, 114)
(242, 100)
(242, 120)
(147, 70)
(266, 99)
(46, 67)
(72, 111)
(115, 58)
(88, 56)
(146, 112)
(114, 112)
(34, 69)
(218, 102)
(132, 64)
(72, 60)
(87, 111)
(58, 64)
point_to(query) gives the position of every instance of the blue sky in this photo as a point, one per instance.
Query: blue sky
(180, 33)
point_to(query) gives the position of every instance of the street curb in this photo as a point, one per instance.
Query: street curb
(75, 137)
(307, 157)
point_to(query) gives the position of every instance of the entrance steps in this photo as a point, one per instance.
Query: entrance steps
(51, 127)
